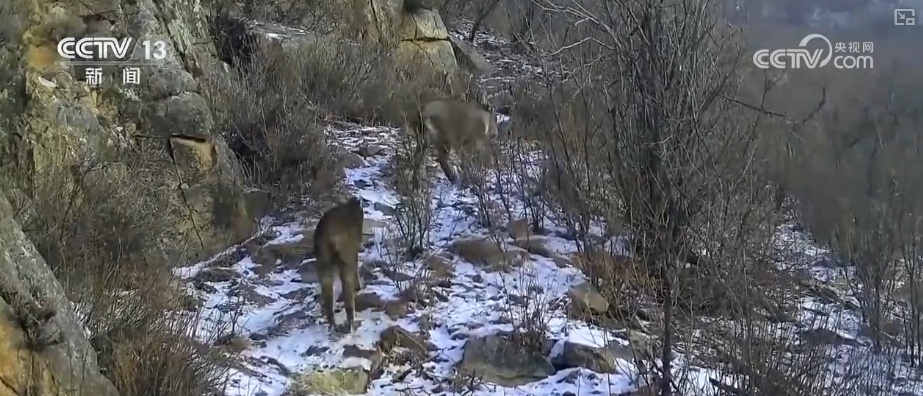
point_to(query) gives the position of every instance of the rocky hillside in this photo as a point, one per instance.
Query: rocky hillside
(76, 143)
(501, 310)
(156, 235)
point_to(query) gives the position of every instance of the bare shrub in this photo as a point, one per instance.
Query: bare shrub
(484, 10)
(98, 226)
(645, 121)
(530, 312)
(476, 171)
(317, 16)
(161, 354)
(454, 11)
(414, 212)
(856, 192)
(11, 24)
(567, 173)
(415, 286)
(274, 108)
(274, 128)
(522, 166)
(530, 306)
(524, 16)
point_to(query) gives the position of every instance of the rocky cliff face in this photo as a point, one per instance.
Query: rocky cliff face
(414, 25)
(42, 345)
(61, 116)
(66, 122)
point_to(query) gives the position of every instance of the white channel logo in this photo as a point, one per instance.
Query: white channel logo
(796, 58)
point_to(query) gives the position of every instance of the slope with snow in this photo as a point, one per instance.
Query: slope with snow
(281, 317)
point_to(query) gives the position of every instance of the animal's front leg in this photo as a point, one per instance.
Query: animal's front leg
(442, 156)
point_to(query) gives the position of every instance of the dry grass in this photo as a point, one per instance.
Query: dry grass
(858, 197)
(97, 226)
(274, 106)
(334, 382)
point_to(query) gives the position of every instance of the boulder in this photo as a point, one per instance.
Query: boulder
(586, 299)
(398, 337)
(601, 359)
(212, 212)
(486, 253)
(336, 381)
(419, 32)
(43, 346)
(395, 309)
(416, 30)
(500, 360)
(469, 57)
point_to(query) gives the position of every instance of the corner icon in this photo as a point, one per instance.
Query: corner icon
(905, 17)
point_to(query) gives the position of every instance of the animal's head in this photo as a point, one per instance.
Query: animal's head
(494, 129)
(499, 122)
(352, 209)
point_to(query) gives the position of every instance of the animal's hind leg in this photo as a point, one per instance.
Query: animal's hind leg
(350, 280)
(326, 292)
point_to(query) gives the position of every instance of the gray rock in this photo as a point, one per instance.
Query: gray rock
(351, 160)
(184, 114)
(286, 252)
(28, 288)
(605, 359)
(585, 298)
(216, 274)
(165, 83)
(384, 208)
(393, 308)
(66, 123)
(467, 56)
(497, 359)
(370, 150)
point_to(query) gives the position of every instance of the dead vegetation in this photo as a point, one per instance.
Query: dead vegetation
(661, 134)
(699, 159)
(97, 225)
(275, 104)
(696, 158)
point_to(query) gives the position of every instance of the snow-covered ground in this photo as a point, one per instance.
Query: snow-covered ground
(280, 314)
(472, 305)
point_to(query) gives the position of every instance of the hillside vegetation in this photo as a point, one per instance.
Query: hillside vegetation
(663, 217)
